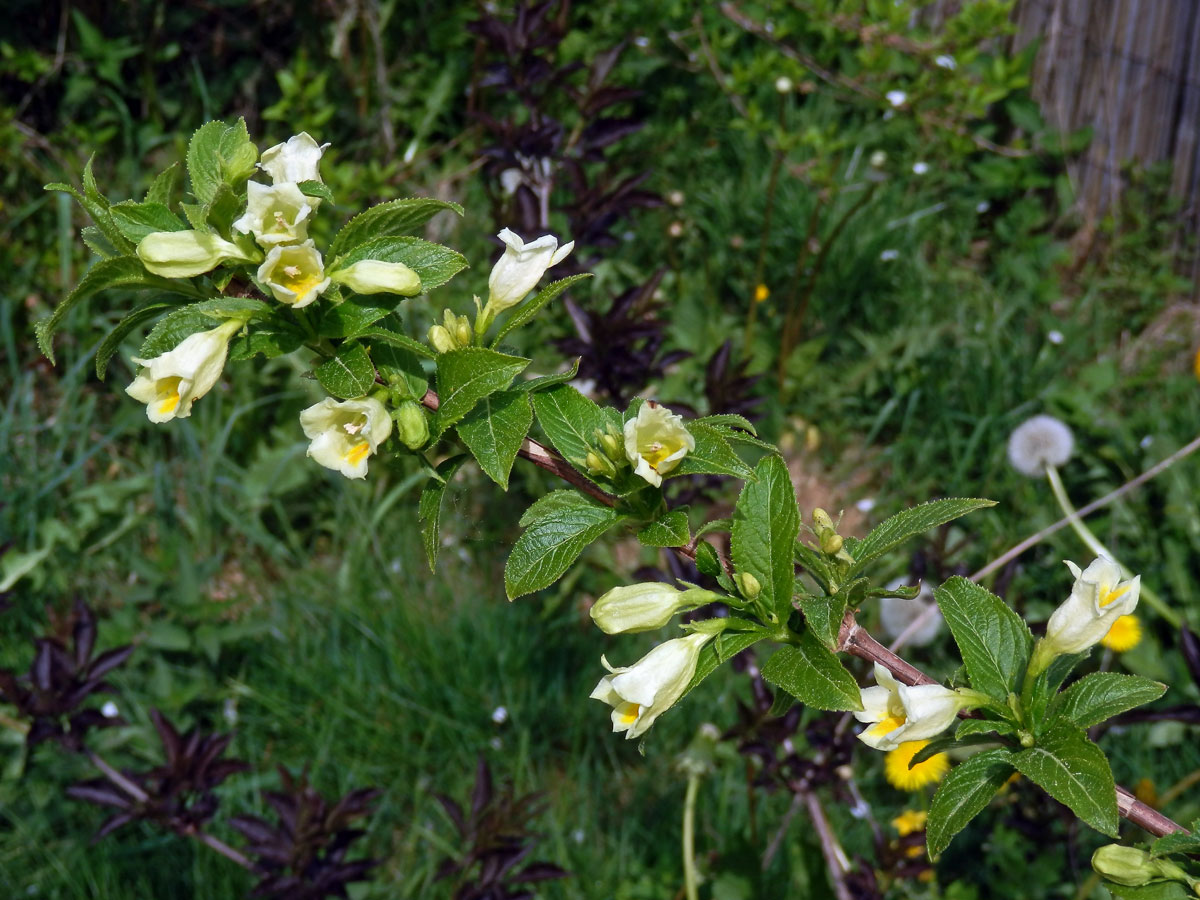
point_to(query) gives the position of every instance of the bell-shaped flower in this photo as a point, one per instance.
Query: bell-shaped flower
(182, 254)
(898, 713)
(297, 159)
(655, 442)
(521, 267)
(294, 274)
(644, 607)
(170, 383)
(641, 693)
(343, 434)
(1098, 598)
(373, 276)
(275, 215)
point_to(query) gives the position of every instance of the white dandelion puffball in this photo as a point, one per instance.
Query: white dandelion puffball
(1040, 442)
(896, 614)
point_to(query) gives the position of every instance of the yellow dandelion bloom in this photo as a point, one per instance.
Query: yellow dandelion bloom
(761, 293)
(910, 821)
(1124, 634)
(899, 775)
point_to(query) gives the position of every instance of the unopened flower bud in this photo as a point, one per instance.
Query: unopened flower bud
(821, 520)
(462, 332)
(749, 585)
(599, 465)
(831, 543)
(441, 340)
(412, 425)
(613, 446)
(372, 276)
(1133, 867)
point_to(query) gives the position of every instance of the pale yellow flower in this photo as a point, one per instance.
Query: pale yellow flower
(655, 442)
(641, 693)
(343, 435)
(171, 382)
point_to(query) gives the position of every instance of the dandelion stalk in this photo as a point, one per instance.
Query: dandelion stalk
(691, 880)
(1093, 543)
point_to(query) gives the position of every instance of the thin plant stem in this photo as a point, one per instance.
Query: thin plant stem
(1085, 534)
(691, 880)
(1039, 536)
(13, 724)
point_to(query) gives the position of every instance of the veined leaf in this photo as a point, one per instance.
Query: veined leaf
(1102, 695)
(712, 455)
(1075, 772)
(671, 530)
(766, 522)
(812, 674)
(112, 341)
(136, 220)
(967, 789)
(523, 314)
(466, 376)
(720, 649)
(570, 421)
(908, 523)
(434, 263)
(994, 641)
(396, 217)
(348, 375)
(494, 430)
(552, 542)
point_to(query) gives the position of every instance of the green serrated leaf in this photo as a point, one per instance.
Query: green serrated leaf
(356, 315)
(968, 727)
(271, 339)
(1102, 695)
(815, 563)
(722, 648)
(707, 560)
(136, 220)
(712, 456)
(1178, 842)
(966, 790)
(348, 375)
(94, 239)
(729, 420)
(551, 502)
(824, 616)
(1161, 890)
(669, 531)
(397, 217)
(97, 209)
(434, 263)
(766, 521)
(315, 189)
(219, 154)
(1075, 772)
(547, 381)
(162, 189)
(429, 508)
(994, 641)
(946, 744)
(466, 376)
(121, 272)
(551, 543)
(906, 524)
(112, 341)
(401, 368)
(494, 430)
(570, 421)
(396, 339)
(526, 312)
(811, 673)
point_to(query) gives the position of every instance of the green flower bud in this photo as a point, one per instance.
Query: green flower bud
(831, 543)
(182, 254)
(1133, 867)
(413, 425)
(599, 465)
(613, 446)
(821, 520)
(441, 340)
(462, 332)
(371, 276)
(749, 585)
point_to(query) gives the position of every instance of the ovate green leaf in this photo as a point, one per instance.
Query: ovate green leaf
(994, 641)
(1075, 772)
(494, 430)
(967, 789)
(552, 542)
(812, 674)
(766, 522)
(466, 376)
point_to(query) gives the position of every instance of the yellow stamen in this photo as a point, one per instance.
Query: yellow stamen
(1107, 597)
(627, 713)
(291, 271)
(358, 452)
(887, 726)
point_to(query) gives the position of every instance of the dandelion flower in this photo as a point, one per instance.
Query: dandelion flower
(1125, 634)
(900, 776)
(1040, 442)
(910, 822)
(761, 293)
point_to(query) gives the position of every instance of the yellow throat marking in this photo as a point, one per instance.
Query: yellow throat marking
(886, 726)
(168, 395)
(1107, 597)
(655, 453)
(358, 452)
(628, 713)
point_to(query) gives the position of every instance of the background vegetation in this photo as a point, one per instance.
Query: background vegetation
(921, 299)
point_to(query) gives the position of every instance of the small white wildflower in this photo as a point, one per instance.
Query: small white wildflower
(109, 710)
(641, 41)
(578, 835)
(982, 206)
(676, 198)
(229, 711)
(1039, 442)
(877, 159)
(889, 255)
(865, 505)
(1146, 441)
(945, 62)
(920, 168)
(499, 715)
(1055, 337)
(896, 98)
(784, 85)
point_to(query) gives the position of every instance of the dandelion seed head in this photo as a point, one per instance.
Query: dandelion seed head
(1040, 442)
(920, 168)
(896, 98)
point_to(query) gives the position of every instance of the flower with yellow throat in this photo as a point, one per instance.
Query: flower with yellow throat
(902, 776)
(171, 382)
(655, 442)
